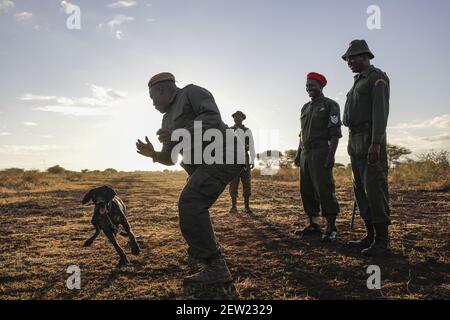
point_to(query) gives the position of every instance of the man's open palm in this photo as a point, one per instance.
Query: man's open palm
(146, 149)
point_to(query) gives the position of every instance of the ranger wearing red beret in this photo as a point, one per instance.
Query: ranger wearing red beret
(319, 138)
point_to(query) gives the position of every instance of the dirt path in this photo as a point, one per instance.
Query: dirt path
(42, 232)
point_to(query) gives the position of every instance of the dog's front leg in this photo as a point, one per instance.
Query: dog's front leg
(123, 258)
(91, 239)
(131, 238)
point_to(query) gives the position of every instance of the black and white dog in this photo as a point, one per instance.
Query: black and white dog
(109, 213)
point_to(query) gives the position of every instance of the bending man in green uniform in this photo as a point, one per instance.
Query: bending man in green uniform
(366, 115)
(246, 174)
(183, 109)
(319, 138)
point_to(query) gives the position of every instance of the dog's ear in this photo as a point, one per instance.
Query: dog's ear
(110, 193)
(87, 197)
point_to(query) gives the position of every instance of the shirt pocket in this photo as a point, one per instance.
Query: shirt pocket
(303, 118)
(362, 88)
(320, 119)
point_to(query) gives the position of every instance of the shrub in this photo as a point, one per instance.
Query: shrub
(430, 171)
(56, 169)
(13, 171)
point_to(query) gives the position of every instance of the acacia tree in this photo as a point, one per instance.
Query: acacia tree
(287, 158)
(394, 153)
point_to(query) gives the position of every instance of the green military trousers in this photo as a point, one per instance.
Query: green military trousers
(317, 186)
(370, 182)
(245, 178)
(203, 187)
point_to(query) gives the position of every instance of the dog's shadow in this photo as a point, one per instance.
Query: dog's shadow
(210, 292)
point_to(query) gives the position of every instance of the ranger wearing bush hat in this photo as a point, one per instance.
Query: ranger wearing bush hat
(366, 115)
(246, 174)
(319, 138)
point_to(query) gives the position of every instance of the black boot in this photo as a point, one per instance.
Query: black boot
(380, 247)
(331, 232)
(247, 205)
(233, 205)
(365, 242)
(312, 229)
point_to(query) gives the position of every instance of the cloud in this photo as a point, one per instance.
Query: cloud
(445, 137)
(74, 110)
(107, 94)
(150, 19)
(119, 35)
(440, 122)
(419, 144)
(101, 96)
(122, 4)
(6, 4)
(60, 100)
(118, 20)
(99, 104)
(67, 7)
(29, 124)
(26, 149)
(23, 16)
(115, 23)
(4, 134)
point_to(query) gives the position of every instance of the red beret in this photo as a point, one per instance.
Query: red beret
(318, 77)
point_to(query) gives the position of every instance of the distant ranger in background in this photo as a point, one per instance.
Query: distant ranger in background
(246, 174)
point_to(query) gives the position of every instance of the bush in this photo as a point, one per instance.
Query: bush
(85, 171)
(56, 169)
(430, 171)
(110, 170)
(13, 171)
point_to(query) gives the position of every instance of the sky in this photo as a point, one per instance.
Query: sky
(79, 97)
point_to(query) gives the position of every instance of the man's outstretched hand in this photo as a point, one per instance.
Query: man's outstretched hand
(146, 149)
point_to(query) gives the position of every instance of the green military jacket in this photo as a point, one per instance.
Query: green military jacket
(189, 104)
(368, 103)
(249, 144)
(320, 120)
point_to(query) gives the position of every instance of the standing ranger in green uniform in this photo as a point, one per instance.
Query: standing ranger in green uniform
(366, 115)
(246, 174)
(319, 138)
(182, 109)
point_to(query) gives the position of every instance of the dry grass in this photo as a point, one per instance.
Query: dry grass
(44, 226)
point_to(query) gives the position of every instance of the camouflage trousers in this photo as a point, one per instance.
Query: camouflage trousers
(370, 182)
(204, 185)
(245, 177)
(317, 187)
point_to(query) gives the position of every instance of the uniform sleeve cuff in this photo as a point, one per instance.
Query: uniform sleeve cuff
(377, 139)
(335, 132)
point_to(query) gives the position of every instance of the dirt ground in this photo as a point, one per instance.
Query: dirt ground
(42, 231)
